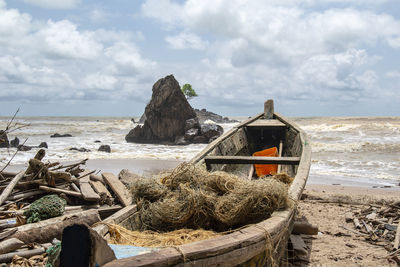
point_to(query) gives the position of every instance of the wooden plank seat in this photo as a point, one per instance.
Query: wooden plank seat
(266, 123)
(250, 160)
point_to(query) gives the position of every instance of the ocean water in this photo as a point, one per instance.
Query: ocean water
(345, 149)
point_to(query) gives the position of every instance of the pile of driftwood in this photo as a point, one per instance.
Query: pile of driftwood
(90, 198)
(379, 224)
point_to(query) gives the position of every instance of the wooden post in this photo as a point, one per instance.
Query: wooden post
(251, 172)
(10, 187)
(397, 238)
(269, 109)
(280, 155)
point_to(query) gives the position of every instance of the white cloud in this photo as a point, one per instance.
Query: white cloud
(393, 74)
(185, 41)
(53, 4)
(100, 81)
(166, 10)
(62, 39)
(127, 59)
(98, 15)
(287, 46)
(13, 23)
(40, 61)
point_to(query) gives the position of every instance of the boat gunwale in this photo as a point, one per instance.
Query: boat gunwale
(270, 228)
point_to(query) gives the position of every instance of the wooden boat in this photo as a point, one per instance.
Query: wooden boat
(261, 244)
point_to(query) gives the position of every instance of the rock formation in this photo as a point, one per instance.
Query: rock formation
(105, 148)
(204, 115)
(4, 139)
(166, 114)
(14, 142)
(57, 135)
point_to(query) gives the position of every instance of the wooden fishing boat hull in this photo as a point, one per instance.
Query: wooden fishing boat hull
(261, 244)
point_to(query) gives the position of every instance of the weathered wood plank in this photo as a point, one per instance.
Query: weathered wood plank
(397, 238)
(57, 190)
(118, 188)
(117, 217)
(298, 245)
(100, 188)
(251, 160)
(86, 189)
(246, 122)
(266, 124)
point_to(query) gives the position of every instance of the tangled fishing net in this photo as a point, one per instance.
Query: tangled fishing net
(120, 235)
(191, 197)
(44, 208)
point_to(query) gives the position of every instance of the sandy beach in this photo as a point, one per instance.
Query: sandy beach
(324, 203)
(335, 245)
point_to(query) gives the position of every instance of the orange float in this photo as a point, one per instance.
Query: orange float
(266, 169)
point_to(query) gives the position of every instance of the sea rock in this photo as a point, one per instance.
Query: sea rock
(204, 115)
(212, 139)
(82, 149)
(105, 148)
(4, 139)
(180, 141)
(97, 141)
(142, 118)
(201, 139)
(43, 144)
(24, 148)
(166, 114)
(211, 130)
(56, 135)
(14, 142)
(192, 123)
(191, 134)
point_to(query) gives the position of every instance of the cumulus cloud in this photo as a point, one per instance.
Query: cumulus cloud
(127, 59)
(287, 46)
(185, 41)
(100, 81)
(98, 15)
(57, 59)
(51, 4)
(13, 23)
(62, 39)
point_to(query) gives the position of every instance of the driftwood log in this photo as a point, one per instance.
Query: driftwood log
(10, 245)
(7, 191)
(57, 190)
(45, 231)
(5, 258)
(304, 228)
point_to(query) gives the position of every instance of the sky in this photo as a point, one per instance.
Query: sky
(101, 57)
